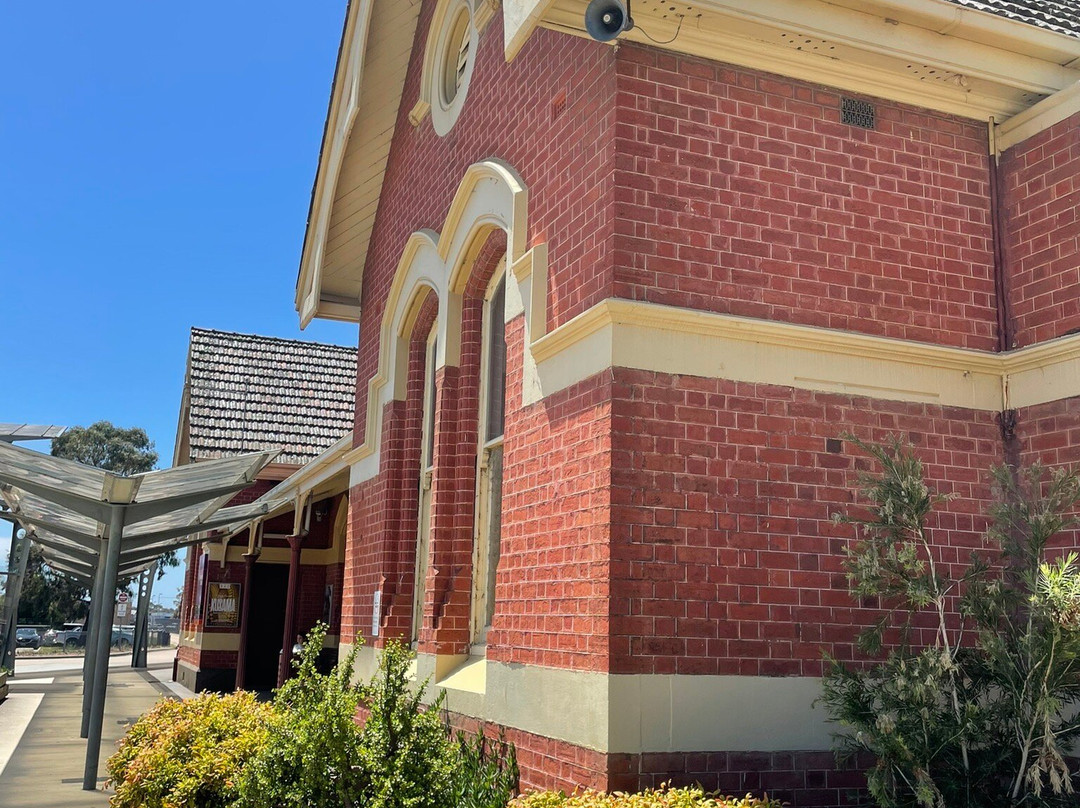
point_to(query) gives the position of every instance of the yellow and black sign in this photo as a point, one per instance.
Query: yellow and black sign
(224, 607)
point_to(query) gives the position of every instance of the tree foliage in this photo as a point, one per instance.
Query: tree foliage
(112, 448)
(49, 597)
(983, 713)
(108, 447)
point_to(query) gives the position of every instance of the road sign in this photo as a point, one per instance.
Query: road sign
(121, 610)
(123, 597)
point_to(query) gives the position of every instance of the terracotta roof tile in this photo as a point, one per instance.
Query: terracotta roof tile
(249, 393)
(1062, 16)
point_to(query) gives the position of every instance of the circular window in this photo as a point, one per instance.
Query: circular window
(454, 56)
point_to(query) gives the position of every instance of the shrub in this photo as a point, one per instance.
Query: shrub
(984, 713)
(188, 754)
(663, 797)
(485, 772)
(312, 752)
(405, 750)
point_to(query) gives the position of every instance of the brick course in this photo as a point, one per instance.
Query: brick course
(741, 192)
(1042, 198)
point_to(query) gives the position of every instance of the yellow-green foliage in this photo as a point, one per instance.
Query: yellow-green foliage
(188, 754)
(663, 797)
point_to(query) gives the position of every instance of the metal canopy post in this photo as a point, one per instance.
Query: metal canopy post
(20, 553)
(101, 648)
(90, 647)
(142, 618)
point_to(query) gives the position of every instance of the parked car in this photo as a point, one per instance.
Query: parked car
(70, 635)
(123, 637)
(27, 638)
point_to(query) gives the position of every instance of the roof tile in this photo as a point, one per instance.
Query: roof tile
(250, 393)
(1062, 16)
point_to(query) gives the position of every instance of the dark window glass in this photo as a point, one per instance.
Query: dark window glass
(496, 362)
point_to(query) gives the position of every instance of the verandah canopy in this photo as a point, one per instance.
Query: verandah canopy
(100, 526)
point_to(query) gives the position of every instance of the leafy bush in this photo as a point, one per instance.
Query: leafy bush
(188, 754)
(982, 715)
(307, 749)
(312, 752)
(663, 797)
(485, 773)
(405, 749)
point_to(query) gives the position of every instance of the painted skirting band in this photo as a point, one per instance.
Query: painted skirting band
(633, 713)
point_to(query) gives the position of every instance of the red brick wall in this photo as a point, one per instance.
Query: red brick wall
(1042, 198)
(381, 545)
(795, 778)
(724, 557)
(551, 592)
(548, 114)
(741, 192)
(1050, 433)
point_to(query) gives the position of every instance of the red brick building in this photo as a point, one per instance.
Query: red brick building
(616, 304)
(249, 590)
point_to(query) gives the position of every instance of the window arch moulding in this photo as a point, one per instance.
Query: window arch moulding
(491, 196)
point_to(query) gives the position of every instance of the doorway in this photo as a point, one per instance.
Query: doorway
(269, 590)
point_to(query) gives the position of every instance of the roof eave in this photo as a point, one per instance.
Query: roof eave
(305, 283)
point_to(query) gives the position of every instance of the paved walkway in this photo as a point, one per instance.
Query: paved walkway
(40, 720)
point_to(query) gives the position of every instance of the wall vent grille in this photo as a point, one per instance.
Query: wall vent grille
(857, 113)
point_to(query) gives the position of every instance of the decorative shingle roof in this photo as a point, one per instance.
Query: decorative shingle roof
(1062, 16)
(248, 393)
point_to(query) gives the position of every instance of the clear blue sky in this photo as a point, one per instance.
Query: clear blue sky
(156, 163)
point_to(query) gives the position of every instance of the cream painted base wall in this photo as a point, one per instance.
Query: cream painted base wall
(617, 713)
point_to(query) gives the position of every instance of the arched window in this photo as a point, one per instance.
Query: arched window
(427, 465)
(490, 460)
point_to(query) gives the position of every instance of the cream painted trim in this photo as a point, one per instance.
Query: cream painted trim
(520, 19)
(628, 713)
(344, 105)
(883, 49)
(1035, 119)
(667, 339)
(324, 557)
(643, 336)
(214, 641)
(491, 196)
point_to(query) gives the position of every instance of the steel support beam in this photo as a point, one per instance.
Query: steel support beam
(20, 554)
(101, 649)
(90, 649)
(142, 618)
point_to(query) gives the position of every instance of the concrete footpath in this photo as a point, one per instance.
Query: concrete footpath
(41, 753)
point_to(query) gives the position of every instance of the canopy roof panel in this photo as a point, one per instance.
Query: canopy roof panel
(69, 507)
(10, 432)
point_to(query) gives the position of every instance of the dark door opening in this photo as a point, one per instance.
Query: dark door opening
(269, 587)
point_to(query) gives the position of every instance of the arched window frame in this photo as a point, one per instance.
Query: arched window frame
(427, 472)
(488, 520)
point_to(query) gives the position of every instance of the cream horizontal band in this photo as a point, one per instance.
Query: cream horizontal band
(632, 713)
(666, 339)
(213, 641)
